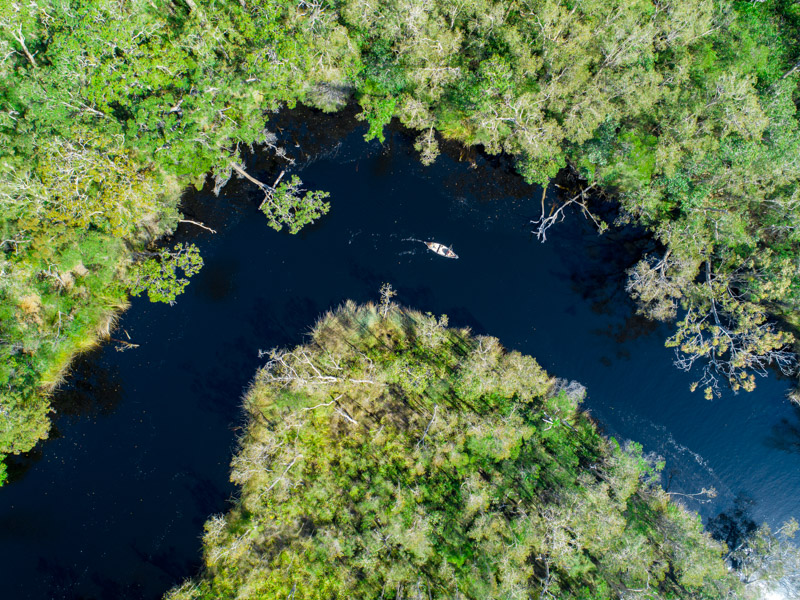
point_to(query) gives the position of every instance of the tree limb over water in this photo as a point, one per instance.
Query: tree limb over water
(557, 214)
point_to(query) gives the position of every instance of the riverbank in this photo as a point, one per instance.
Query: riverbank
(391, 455)
(708, 130)
(142, 439)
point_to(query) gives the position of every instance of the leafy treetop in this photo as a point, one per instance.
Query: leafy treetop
(392, 457)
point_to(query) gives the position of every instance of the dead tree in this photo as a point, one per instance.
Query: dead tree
(557, 214)
(269, 190)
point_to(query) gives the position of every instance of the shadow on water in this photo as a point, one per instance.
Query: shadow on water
(19, 465)
(785, 435)
(734, 525)
(92, 389)
(112, 506)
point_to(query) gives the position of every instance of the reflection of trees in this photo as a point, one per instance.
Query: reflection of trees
(735, 524)
(633, 327)
(93, 388)
(786, 434)
(597, 265)
(765, 560)
(311, 133)
(57, 576)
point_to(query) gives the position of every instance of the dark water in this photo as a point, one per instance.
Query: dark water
(113, 506)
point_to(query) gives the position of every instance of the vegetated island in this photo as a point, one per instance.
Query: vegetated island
(683, 111)
(393, 457)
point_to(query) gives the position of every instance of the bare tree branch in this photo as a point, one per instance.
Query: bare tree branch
(198, 224)
(422, 439)
(543, 223)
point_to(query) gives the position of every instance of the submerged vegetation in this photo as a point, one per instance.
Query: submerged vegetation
(392, 457)
(685, 111)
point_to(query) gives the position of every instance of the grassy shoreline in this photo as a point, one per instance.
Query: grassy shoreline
(688, 112)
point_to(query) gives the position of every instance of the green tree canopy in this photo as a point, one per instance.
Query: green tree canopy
(685, 111)
(391, 457)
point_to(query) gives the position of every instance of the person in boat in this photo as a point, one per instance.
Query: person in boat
(441, 249)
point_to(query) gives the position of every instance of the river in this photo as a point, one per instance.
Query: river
(112, 506)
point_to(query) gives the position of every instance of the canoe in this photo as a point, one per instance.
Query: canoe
(441, 249)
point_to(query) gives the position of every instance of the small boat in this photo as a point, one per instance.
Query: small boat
(441, 249)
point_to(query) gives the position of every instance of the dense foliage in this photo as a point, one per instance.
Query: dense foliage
(686, 110)
(159, 277)
(107, 110)
(392, 457)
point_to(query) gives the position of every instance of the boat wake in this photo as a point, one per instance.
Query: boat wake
(680, 476)
(435, 247)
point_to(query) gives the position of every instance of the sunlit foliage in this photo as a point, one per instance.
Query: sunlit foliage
(394, 458)
(294, 207)
(158, 275)
(685, 110)
(107, 110)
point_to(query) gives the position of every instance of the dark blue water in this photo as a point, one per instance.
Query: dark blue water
(113, 505)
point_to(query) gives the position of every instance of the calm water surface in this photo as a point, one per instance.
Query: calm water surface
(113, 505)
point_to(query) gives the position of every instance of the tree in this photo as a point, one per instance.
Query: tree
(293, 207)
(729, 336)
(285, 204)
(684, 110)
(157, 272)
(386, 303)
(767, 561)
(411, 484)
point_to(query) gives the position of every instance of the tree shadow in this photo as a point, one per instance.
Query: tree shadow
(734, 525)
(597, 265)
(785, 435)
(94, 387)
(18, 465)
(60, 580)
(309, 134)
(634, 326)
(216, 282)
(270, 325)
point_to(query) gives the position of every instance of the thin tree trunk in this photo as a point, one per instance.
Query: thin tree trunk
(249, 177)
(792, 70)
(198, 224)
(272, 189)
(267, 189)
(21, 41)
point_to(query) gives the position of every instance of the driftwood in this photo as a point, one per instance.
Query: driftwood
(545, 222)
